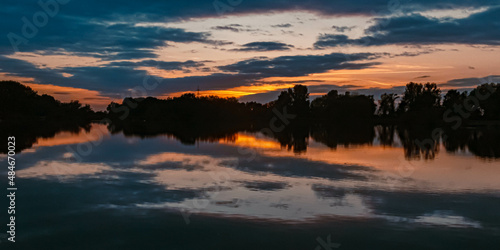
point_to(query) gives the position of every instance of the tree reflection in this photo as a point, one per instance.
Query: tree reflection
(386, 134)
(419, 143)
(346, 135)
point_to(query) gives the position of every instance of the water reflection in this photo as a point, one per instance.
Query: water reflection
(483, 142)
(62, 170)
(29, 133)
(304, 175)
(417, 143)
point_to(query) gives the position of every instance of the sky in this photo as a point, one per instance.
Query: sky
(102, 51)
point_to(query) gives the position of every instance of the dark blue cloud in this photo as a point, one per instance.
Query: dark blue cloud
(301, 65)
(343, 28)
(264, 46)
(333, 40)
(97, 39)
(422, 77)
(227, 27)
(471, 82)
(235, 28)
(256, 70)
(108, 80)
(159, 64)
(126, 81)
(265, 185)
(479, 28)
(106, 28)
(283, 25)
(176, 10)
(20, 68)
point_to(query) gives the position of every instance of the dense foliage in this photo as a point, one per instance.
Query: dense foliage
(19, 102)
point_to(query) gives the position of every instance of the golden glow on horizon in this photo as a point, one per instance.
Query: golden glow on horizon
(67, 94)
(219, 93)
(238, 91)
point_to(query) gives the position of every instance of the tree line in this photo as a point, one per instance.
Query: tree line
(19, 103)
(419, 103)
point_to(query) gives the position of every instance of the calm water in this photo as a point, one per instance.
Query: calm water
(249, 191)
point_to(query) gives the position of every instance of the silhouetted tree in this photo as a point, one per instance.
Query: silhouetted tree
(343, 108)
(488, 98)
(186, 109)
(453, 98)
(295, 100)
(19, 102)
(300, 100)
(421, 104)
(387, 105)
(29, 116)
(420, 97)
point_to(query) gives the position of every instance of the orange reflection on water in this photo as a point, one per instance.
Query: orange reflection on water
(447, 172)
(250, 141)
(96, 133)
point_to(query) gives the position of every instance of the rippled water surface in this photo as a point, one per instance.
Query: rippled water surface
(96, 190)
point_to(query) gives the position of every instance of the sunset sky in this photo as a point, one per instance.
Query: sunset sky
(102, 51)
